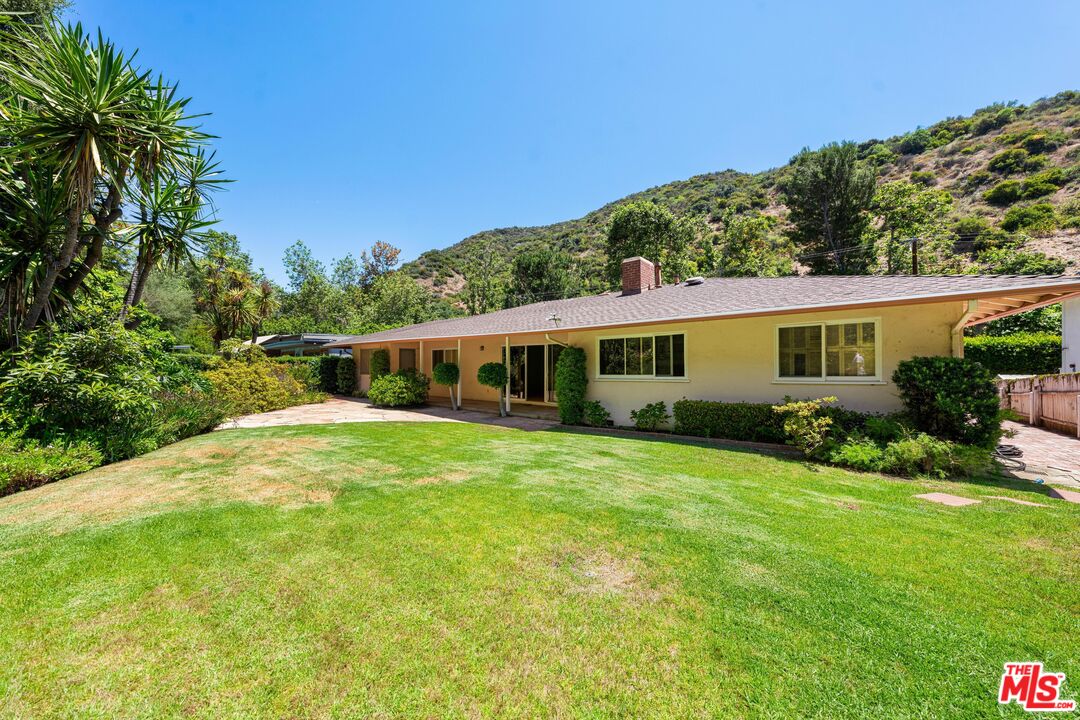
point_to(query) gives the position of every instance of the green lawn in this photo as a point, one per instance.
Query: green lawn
(451, 570)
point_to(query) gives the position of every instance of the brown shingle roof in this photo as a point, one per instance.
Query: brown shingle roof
(725, 297)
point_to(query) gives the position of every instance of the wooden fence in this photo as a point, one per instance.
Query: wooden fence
(1052, 401)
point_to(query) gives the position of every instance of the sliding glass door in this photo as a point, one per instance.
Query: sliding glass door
(532, 372)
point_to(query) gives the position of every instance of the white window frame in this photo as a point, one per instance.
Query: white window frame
(651, 378)
(823, 379)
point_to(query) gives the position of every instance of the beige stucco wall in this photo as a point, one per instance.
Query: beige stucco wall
(732, 359)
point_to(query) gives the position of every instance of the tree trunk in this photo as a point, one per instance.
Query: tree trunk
(502, 403)
(56, 265)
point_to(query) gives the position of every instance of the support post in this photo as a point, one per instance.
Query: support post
(460, 373)
(506, 391)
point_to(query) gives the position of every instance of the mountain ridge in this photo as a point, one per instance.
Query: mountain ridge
(1039, 144)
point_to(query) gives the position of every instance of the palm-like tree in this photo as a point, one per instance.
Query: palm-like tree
(266, 303)
(82, 109)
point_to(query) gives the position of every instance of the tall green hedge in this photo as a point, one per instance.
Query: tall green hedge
(380, 363)
(328, 376)
(950, 398)
(346, 375)
(571, 378)
(1017, 354)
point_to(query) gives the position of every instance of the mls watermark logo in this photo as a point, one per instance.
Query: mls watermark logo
(1032, 689)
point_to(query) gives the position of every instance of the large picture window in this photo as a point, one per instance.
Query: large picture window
(438, 357)
(643, 356)
(843, 350)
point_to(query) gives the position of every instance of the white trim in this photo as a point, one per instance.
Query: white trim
(685, 377)
(823, 379)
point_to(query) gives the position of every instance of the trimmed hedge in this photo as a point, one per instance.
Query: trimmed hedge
(571, 378)
(1017, 354)
(750, 422)
(328, 374)
(346, 375)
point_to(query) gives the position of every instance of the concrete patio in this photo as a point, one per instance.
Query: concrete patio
(339, 409)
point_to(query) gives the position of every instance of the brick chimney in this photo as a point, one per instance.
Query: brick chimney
(659, 282)
(639, 275)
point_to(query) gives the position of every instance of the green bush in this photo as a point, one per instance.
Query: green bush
(650, 417)
(1015, 160)
(1034, 190)
(260, 386)
(328, 375)
(919, 454)
(96, 384)
(1004, 193)
(924, 177)
(1018, 354)
(860, 453)
(380, 363)
(198, 362)
(1039, 218)
(186, 412)
(346, 376)
(1042, 142)
(1014, 262)
(596, 414)
(571, 379)
(750, 422)
(404, 388)
(805, 424)
(26, 464)
(950, 398)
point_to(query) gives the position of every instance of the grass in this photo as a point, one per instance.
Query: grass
(452, 570)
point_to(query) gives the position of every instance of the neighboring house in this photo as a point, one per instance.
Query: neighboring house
(300, 344)
(1070, 335)
(732, 339)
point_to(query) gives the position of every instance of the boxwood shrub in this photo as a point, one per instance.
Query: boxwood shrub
(950, 398)
(403, 388)
(1018, 354)
(752, 422)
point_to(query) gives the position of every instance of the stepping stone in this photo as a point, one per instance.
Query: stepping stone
(947, 499)
(1066, 495)
(1014, 500)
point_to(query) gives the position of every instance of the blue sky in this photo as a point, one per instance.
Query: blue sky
(420, 123)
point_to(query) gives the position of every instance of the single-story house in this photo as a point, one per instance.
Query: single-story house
(731, 339)
(300, 344)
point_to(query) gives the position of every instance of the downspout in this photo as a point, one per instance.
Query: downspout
(547, 336)
(958, 328)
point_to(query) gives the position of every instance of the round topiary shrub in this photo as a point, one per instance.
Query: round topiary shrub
(571, 377)
(494, 375)
(950, 398)
(447, 374)
(346, 375)
(403, 388)
(380, 363)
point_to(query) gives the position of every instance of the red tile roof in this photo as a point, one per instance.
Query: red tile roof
(725, 297)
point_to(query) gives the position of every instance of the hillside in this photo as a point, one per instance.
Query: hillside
(1029, 154)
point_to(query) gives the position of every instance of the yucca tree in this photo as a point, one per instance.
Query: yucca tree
(265, 304)
(80, 107)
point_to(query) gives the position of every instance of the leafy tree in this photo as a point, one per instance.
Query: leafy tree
(746, 247)
(226, 298)
(541, 274)
(829, 194)
(301, 266)
(494, 375)
(382, 259)
(485, 281)
(80, 121)
(907, 210)
(645, 229)
(395, 299)
(448, 374)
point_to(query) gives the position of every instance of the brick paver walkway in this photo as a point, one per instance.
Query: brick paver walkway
(1051, 456)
